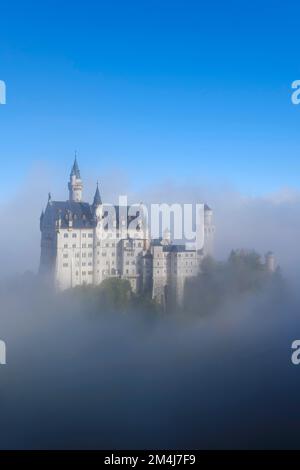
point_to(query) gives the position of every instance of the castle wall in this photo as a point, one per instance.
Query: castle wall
(77, 248)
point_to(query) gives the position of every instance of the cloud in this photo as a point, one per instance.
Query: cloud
(79, 378)
(76, 378)
(263, 223)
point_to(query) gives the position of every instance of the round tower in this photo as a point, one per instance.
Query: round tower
(209, 231)
(75, 184)
(270, 262)
(208, 213)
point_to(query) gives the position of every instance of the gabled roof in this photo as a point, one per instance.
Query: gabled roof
(82, 214)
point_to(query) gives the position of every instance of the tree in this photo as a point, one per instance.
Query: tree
(115, 293)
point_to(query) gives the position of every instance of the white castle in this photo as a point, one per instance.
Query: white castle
(84, 243)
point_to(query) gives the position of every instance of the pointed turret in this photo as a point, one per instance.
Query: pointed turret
(97, 197)
(75, 169)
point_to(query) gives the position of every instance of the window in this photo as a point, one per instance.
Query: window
(90, 235)
(74, 235)
(83, 255)
(65, 246)
(90, 273)
(73, 246)
(66, 235)
(84, 235)
(83, 264)
(65, 265)
(90, 255)
(90, 246)
(84, 273)
(77, 255)
(65, 256)
(84, 245)
(90, 264)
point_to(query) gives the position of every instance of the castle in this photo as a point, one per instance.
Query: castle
(84, 243)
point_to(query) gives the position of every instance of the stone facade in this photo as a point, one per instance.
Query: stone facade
(84, 243)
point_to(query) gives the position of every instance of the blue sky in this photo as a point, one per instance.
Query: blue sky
(178, 90)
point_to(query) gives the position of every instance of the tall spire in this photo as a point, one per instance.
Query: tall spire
(75, 169)
(97, 197)
(75, 184)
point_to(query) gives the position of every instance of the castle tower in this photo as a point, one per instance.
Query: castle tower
(209, 231)
(270, 262)
(75, 184)
(97, 198)
(97, 209)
